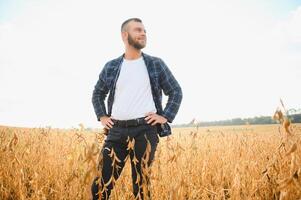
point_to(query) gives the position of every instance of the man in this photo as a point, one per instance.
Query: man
(134, 82)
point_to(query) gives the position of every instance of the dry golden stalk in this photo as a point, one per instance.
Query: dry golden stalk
(292, 149)
(278, 116)
(286, 125)
(13, 142)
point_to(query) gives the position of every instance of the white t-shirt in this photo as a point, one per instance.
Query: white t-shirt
(133, 94)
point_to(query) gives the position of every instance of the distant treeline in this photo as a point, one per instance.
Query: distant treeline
(295, 118)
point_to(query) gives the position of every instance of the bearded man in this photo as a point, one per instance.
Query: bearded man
(134, 116)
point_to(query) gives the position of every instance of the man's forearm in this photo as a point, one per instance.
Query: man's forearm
(99, 104)
(173, 105)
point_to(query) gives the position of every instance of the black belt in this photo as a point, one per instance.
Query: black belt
(129, 123)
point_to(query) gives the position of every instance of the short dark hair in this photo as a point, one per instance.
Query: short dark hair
(123, 25)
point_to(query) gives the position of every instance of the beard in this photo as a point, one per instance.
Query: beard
(134, 43)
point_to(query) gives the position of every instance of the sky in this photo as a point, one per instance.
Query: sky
(233, 58)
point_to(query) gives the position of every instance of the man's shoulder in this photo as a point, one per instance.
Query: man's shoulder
(114, 62)
(151, 58)
(155, 63)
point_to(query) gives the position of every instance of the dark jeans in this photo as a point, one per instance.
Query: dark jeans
(139, 144)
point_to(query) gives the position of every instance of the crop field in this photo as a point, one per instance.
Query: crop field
(230, 162)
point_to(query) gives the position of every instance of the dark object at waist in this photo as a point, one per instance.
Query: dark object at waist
(129, 123)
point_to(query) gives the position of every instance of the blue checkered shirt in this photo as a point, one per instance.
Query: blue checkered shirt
(161, 79)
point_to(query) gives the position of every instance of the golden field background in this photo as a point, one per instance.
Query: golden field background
(231, 162)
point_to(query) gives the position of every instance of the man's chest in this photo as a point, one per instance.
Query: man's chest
(132, 76)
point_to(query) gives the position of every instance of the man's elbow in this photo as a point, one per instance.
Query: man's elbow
(179, 94)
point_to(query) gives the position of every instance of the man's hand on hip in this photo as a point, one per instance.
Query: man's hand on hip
(106, 122)
(153, 119)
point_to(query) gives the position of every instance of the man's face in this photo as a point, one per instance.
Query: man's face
(136, 35)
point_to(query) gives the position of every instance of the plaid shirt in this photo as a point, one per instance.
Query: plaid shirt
(161, 79)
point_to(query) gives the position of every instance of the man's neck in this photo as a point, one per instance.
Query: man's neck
(132, 54)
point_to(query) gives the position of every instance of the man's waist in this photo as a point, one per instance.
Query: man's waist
(130, 122)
